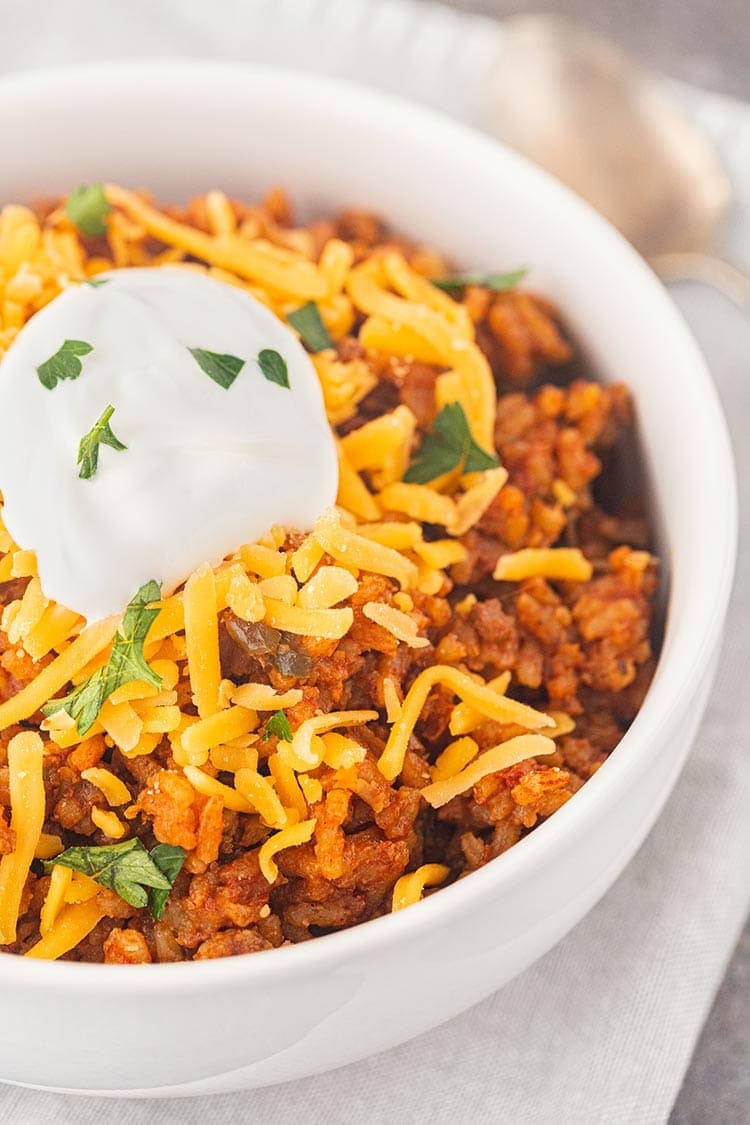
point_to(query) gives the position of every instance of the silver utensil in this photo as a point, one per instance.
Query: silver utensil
(573, 102)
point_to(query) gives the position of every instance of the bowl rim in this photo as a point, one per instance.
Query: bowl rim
(388, 931)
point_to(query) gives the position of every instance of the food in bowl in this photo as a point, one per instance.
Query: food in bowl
(369, 695)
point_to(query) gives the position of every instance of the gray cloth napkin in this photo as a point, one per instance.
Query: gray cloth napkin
(602, 1028)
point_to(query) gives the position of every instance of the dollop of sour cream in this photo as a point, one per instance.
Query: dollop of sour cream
(206, 468)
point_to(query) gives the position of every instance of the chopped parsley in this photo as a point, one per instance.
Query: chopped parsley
(448, 445)
(497, 282)
(279, 725)
(96, 282)
(87, 208)
(223, 369)
(273, 367)
(88, 450)
(126, 663)
(137, 876)
(64, 364)
(309, 323)
(169, 858)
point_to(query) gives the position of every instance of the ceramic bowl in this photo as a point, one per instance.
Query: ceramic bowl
(179, 129)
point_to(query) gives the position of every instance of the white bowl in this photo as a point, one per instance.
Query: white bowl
(252, 1020)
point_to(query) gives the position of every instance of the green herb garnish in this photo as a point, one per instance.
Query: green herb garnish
(309, 323)
(223, 369)
(64, 364)
(128, 869)
(88, 450)
(446, 446)
(169, 858)
(96, 282)
(279, 725)
(273, 367)
(126, 663)
(497, 282)
(87, 208)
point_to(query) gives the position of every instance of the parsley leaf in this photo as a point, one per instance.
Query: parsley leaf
(309, 323)
(126, 663)
(96, 282)
(273, 367)
(88, 450)
(125, 868)
(447, 446)
(497, 282)
(169, 858)
(87, 207)
(223, 369)
(64, 364)
(279, 725)
(83, 703)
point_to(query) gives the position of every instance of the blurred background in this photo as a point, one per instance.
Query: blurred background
(702, 41)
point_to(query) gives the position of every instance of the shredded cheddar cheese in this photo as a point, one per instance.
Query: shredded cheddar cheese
(202, 638)
(563, 563)
(27, 802)
(70, 927)
(410, 888)
(480, 697)
(287, 838)
(400, 625)
(302, 590)
(500, 757)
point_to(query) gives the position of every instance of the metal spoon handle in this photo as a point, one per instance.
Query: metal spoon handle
(707, 269)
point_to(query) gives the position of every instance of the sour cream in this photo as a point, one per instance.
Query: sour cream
(205, 470)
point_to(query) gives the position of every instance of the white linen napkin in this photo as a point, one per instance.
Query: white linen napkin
(603, 1027)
